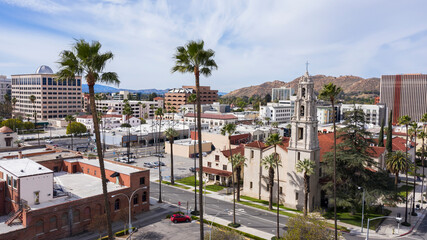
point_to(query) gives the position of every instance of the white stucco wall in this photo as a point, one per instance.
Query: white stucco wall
(31, 184)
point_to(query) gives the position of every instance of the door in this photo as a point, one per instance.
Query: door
(74, 168)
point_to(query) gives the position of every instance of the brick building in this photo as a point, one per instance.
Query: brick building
(59, 197)
(179, 96)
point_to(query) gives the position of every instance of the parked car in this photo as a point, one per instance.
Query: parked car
(48, 141)
(192, 169)
(176, 218)
(149, 165)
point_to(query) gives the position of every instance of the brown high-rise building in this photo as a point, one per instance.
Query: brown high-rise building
(405, 94)
(179, 96)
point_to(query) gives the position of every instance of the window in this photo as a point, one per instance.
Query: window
(135, 199)
(94, 172)
(303, 92)
(281, 190)
(76, 216)
(37, 197)
(117, 204)
(88, 170)
(296, 196)
(216, 157)
(144, 197)
(64, 219)
(224, 167)
(299, 156)
(302, 111)
(142, 181)
(250, 185)
(15, 183)
(320, 172)
(300, 133)
(39, 227)
(53, 223)
(209, 164)
(252, 153)
(86, 213)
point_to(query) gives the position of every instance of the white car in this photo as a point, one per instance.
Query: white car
(48, 141)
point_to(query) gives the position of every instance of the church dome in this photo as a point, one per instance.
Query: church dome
(43, 69)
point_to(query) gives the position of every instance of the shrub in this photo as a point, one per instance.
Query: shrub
(223, 234)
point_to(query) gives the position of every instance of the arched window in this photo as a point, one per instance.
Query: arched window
(117, 204)
(303, 92)
(64, 219)
(144, 197)
(86, 213)
(135, 199)
(302, 111)
(76, 216)
(99, 210)
(53, 223)
(39, 226)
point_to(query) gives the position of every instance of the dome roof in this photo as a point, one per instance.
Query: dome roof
(5, 129)
(43, 69)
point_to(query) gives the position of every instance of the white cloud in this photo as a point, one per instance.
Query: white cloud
(255, 41)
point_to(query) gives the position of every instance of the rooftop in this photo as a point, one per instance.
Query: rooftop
(214, 116)
(109, 165)
(23, 167)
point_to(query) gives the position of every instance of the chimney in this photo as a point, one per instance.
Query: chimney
(20, 154)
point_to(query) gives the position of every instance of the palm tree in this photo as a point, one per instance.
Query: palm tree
(85, 59)
(193, 99)
(396, 162)
(269, 162)
(406, 120)
(330, 92)
(159, 114)
(69, 119)
(307, 167)
(193, 58)
(236, 160)
(229, 129)
(127, 111)
(413, 130)
(423, 135)
(273, 140)
(171, 134)
(14, 100)
(183, 110)
(275, 124)
(33, 101)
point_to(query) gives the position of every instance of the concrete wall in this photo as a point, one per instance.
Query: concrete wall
(42, 183)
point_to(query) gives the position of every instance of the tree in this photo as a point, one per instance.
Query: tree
(193, 58)
(12, 124)
(275, 124)
(127, 111)
(171, 134)
(330, 92)
(413, 130)
(423, 135)
(406, 120)
(269, 162)
(159, 116)
(267, 98)
(33, 101)
(307, 167)
(308, 228)
(396, 162)
(14, 100)
(274, 140)
(76, 128)
(69, 119)
(86, 60)
(236, 160)
(193, 99)
(217, 233)
(28, 125)
(389, 142)
(381, 135)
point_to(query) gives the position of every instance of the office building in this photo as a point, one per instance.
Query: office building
(374, 114)
(141, 109)
(179, 96)
(405, 94)
(276, 112)
(54, 98)
(282, 93)
(5, 87)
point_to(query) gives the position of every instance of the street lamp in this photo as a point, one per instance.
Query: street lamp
(363, 206)
(210, 232)
(130, 199)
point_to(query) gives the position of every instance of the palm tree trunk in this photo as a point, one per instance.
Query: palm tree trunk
(172, 177)
(128, 145)
(306, 193)
(195, 150)
(415, 175)
(406, 200)
(278, 198)
(422, 164)
(160, 166)
(271, 182)
(199, 135)
(72, 142)
(238, 176)
(335, 172)
(234, 195)
(101, 160)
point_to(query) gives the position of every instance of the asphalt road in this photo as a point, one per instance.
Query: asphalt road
(247, 216)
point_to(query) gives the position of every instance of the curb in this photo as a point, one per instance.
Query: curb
(404, 234)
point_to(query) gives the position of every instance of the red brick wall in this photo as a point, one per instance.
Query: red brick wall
(2, 197)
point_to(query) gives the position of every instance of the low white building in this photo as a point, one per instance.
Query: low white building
(214, 120)
(139, 108)
(375, 114)
(7, 137)
(276, 112)
(109, 121)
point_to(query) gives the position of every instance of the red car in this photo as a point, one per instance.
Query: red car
(180, 218)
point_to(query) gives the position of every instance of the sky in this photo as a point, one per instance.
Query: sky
(254, 41)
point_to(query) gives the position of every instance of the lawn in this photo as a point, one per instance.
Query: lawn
(204, 192)
(402, 190)
(266, 208)
(356, 219)
(176, 185)
(265, 202)
(214, 188)
(188, 181)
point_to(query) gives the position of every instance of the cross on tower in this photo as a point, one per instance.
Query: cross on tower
(306, 66)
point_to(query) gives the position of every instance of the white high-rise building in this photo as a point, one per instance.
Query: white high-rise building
(282, 93)
(5, 87)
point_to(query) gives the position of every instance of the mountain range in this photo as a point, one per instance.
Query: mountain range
(349, 84)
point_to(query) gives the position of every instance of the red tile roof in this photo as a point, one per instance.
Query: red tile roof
(214, 116)
(240, 149)
(157, 98)
(375, 152)
(5, 129)
(216, 171)
(256, 144)
(285, 143)
(398, 143)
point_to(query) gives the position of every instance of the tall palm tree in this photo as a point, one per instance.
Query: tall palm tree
(273, 140)
(228, 130)
(406, 120)
(413, 131)
(236, 160)
(33, 101)
(422, 135)
(269, 162)
(306, 166)
(330, 92)
(396, 162)
(183, 110)
(193, 99)
(69, 119)
(193, 58)
(171, 134)
(159, 116)
(127, 111)
(86, 60)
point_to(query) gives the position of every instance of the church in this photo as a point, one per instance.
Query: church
(302, 144)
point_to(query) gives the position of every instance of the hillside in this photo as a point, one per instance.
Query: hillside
(350, 84)
(105, 89)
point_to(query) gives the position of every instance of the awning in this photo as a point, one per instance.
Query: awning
(115, 174)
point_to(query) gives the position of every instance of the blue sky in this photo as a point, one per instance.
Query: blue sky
(254, 41)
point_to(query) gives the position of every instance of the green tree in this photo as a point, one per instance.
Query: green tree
(171, 134)
(33, 101)
(413, 131)
(28, 125)
(396, 162)
(76, 128)
(274, 140)
(306, 166)
(236, 161)
(69, 119)
(381, 135)
(406, 120)
(389, 141)
(269, 162)
(193, 58)
(330, 92)
(308, 228)
(128, 112)
(86, 60)
(13, 124)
